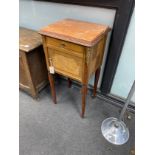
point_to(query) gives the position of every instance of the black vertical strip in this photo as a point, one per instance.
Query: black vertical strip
(122, 21)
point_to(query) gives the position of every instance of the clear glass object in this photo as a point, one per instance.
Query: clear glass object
(113, 129)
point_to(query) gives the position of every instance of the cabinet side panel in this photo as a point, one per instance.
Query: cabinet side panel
(23, 78)
(37, 64)
(96, 56)
(101, 49)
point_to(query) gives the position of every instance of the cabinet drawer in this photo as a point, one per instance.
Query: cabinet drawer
(66, 64)
(64, 45)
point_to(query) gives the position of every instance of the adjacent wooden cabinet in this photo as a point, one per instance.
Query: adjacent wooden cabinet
(32, 66)
(74, 49)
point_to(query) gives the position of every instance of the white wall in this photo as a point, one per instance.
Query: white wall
(35, 14)
(125, 73)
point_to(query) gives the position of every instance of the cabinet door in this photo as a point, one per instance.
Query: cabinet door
(66, 63)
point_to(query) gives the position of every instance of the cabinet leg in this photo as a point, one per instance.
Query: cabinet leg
(97, 75)
(69, 83)
(53, 93)
(84, 93)
(35, 96)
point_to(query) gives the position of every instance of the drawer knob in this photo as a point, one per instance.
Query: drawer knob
(62, 45)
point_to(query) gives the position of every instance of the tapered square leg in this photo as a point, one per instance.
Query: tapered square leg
(69, 83)
(53, 93)
(97, 75)
(84, 94)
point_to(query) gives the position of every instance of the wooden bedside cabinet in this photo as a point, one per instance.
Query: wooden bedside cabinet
(74, 49)
(32, 66)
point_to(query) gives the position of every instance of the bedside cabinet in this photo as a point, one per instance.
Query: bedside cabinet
(32, 66)
(75, 50)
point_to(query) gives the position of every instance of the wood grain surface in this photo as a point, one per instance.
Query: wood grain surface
(76, 31)
(28, 39)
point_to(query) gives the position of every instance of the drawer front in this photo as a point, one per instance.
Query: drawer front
(66, 64)
(64, 45)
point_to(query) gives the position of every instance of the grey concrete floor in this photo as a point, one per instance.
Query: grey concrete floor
(49, 129)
